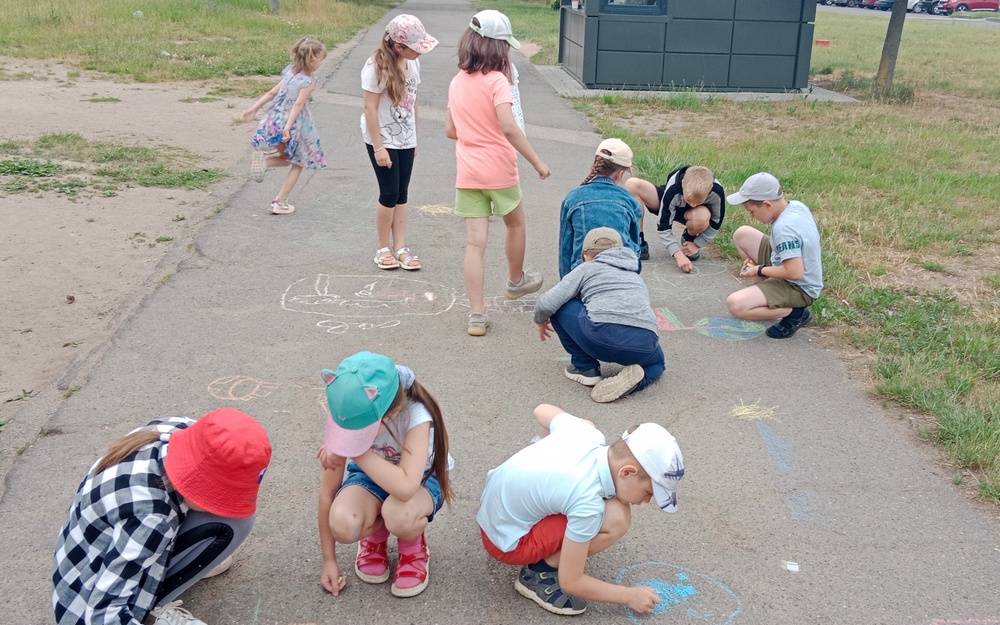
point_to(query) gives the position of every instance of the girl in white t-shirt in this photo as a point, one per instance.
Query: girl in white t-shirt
(483, 116)
(389, 81)
(386, 463)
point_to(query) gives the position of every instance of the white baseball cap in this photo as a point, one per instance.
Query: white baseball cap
(658, 453)
(758, 187)
(616, 151)
(494, 25)
(410, 32)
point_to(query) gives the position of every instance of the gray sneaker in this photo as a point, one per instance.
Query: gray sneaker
(610, 389)
(530, 282)
(542, 587)
(590, 377)
(478, 324)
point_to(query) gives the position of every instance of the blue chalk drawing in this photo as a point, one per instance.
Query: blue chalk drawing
(799, 502)
(685, 595)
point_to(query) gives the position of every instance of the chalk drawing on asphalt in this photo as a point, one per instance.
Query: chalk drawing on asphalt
(753, 412)
(798, 501)
(373, 302)
(686, 596)
(436, 209)
(240, 388)
(716, 327)
(365, 302)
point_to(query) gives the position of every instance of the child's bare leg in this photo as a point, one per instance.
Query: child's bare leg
(617, 520)
(645, 193)
(290, 180)
(355, 514)
(515, 243)
(747, 242)
(697, 219)
(476, 233)
(750, 303)
(384, 217)
(399, 226)
(408, 519)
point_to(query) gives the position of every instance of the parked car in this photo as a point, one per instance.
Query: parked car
(925, 6)
(947, 7)
(886, 5)
(867, 4)
(844, 3)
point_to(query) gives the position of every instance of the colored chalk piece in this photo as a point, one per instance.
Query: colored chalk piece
(822, 43)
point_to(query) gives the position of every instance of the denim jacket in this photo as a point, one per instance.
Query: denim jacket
(599, 203)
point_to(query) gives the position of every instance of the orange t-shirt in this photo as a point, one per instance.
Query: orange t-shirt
(486, 159)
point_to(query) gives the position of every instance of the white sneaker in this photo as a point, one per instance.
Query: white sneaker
(221, 568)
(173, 614)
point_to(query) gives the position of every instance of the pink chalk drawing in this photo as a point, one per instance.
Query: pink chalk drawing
(720, 328)
(240, 388)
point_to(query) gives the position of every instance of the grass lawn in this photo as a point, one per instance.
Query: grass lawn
(906, 195)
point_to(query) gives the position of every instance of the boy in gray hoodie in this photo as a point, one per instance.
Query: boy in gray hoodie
(600, 310)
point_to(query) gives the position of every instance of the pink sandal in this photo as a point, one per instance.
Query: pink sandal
(410, 578)
(372, 564)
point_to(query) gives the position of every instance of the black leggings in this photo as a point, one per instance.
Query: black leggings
(393, 182)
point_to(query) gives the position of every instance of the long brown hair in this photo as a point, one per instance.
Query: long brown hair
(439, 468)
(387, 70)
(602, 167)
(124, 447)
(482, 54)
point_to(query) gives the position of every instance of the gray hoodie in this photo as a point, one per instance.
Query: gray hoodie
(609, 287)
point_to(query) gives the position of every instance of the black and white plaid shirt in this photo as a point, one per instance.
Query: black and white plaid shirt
(113, 550)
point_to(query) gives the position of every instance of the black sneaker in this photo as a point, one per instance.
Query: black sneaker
(643, 250)
(542, 587)
(787, 327)
(590, 377)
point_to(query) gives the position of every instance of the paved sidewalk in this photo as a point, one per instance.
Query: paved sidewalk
(802, 504)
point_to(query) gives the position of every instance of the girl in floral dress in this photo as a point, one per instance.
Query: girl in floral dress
(286, 136)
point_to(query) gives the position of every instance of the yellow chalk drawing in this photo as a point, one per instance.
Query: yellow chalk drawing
(436, 209)
(753, 412)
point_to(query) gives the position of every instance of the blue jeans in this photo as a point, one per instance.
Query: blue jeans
(588, 343)
(355, 476)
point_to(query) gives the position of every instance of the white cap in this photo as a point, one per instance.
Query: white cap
(616, 151)
(494, 25)
(758, 187)
(658, 453)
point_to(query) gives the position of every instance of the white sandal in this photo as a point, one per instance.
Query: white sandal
(385, 263)
(410, 258)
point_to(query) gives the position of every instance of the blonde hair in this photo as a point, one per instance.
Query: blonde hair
(698, 181)
(602, 167)
(387, 70)
(482, 54)
(305, 52)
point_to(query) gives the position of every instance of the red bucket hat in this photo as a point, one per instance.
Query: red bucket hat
(218, 463)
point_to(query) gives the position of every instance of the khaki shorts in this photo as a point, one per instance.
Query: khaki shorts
(487, 202)
(779, 293)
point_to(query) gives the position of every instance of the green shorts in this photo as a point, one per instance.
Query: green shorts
(486, 202)
(779, 293)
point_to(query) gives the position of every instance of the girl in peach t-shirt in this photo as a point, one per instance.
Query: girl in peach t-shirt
(480, 118)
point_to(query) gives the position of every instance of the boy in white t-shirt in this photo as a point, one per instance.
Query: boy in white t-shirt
(561, 500)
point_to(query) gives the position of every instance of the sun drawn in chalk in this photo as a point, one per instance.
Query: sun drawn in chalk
(686, 596)
(436, 209)
(753, 412)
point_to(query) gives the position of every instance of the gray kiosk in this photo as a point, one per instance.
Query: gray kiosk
(715, 45)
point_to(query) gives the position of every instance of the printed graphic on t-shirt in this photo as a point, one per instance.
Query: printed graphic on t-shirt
(402, 130)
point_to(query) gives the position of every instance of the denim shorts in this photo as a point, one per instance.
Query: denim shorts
(355, 476)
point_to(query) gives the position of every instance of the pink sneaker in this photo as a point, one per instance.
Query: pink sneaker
(411, 577)
(281, 207)
(372, 563)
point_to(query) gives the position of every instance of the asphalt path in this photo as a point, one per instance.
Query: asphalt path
(803, 501)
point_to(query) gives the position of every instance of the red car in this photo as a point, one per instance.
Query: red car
(947, 7)
(867, 4)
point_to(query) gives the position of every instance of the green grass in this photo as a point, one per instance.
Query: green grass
(896, 186)
(96, 167)
(202, 40)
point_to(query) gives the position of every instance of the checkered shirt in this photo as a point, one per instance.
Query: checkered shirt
(112, 553)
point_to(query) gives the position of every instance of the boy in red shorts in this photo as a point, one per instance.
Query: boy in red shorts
(557, 502)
